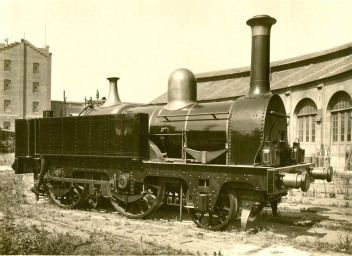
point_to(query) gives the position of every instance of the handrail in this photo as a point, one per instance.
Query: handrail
(199, 114)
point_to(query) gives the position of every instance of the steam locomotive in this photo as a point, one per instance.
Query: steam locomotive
(217, 159)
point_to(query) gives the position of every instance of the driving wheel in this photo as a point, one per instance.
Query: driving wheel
(223, 214)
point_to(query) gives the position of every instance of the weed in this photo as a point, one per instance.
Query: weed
(19, 238)
(347, 197)
(345, 243)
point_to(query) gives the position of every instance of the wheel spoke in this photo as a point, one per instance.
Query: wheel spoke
(78, 188)
(151, 199)
(140, 207)
(74, 196)
(219, 215)
(225, 209)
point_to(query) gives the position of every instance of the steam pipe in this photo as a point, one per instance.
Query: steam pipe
(113, 97)
(260, 61)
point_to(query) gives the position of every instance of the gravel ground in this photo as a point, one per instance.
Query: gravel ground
(305, 226)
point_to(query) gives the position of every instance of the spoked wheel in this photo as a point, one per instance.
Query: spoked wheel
(66, 195)
(147, 198)
(223, 214)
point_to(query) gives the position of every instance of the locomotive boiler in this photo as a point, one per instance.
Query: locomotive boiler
(217, 159)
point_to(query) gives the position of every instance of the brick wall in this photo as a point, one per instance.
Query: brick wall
(43, 94)
(14, 94)
(22, 56)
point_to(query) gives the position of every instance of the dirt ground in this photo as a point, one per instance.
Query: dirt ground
(304, 226)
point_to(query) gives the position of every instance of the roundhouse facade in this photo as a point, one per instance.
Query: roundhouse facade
(316, 90)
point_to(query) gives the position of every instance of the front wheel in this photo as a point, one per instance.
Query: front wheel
(223, 214)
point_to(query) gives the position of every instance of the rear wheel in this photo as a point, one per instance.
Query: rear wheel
(147, 198)
(221, 217)
(64, 194)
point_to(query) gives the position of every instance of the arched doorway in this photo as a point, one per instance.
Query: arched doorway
(306, 112)
(340, 107)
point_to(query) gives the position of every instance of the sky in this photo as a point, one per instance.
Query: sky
(143, 42)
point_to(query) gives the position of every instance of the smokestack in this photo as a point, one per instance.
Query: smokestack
(113, 98)
(260, 62)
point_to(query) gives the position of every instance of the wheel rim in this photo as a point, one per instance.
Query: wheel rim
(75, 196)
(223, 214)
(67, 195)
(151, 198)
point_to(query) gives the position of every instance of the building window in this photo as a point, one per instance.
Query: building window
(35, 107)
(35, 87)
(7, 125)
(35, 68)
(7, 65)
(341, 110)
(7, 104)
(7, 85)
(300, 129)
(306, 113)
(349, 117)
(335, 123)
(313, 128)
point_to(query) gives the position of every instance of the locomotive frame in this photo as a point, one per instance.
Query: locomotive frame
(211, 158)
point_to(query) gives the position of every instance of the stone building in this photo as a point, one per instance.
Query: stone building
(25, 74)
(316, 90)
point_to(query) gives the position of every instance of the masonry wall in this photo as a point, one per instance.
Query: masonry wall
(43, 94)
(23, 55)
(321, 94)
(15, 54)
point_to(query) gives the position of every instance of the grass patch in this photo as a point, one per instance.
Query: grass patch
(344, 245)
(19, 238)
(7, 158)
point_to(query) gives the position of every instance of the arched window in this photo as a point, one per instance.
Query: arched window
(341, 107)
(306, 112)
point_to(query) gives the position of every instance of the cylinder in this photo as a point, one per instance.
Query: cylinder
(260, 60)
(296, 180)
(323, 174)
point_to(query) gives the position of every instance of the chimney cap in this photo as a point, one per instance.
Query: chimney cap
(113, 78)
(261, 20)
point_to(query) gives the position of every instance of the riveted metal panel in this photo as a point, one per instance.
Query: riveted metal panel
(120, 135)
(271, 181)
(26, 137)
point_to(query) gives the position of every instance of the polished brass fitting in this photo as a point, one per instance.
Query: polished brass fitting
(322, 174)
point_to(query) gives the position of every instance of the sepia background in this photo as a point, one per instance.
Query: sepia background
(142, 42)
